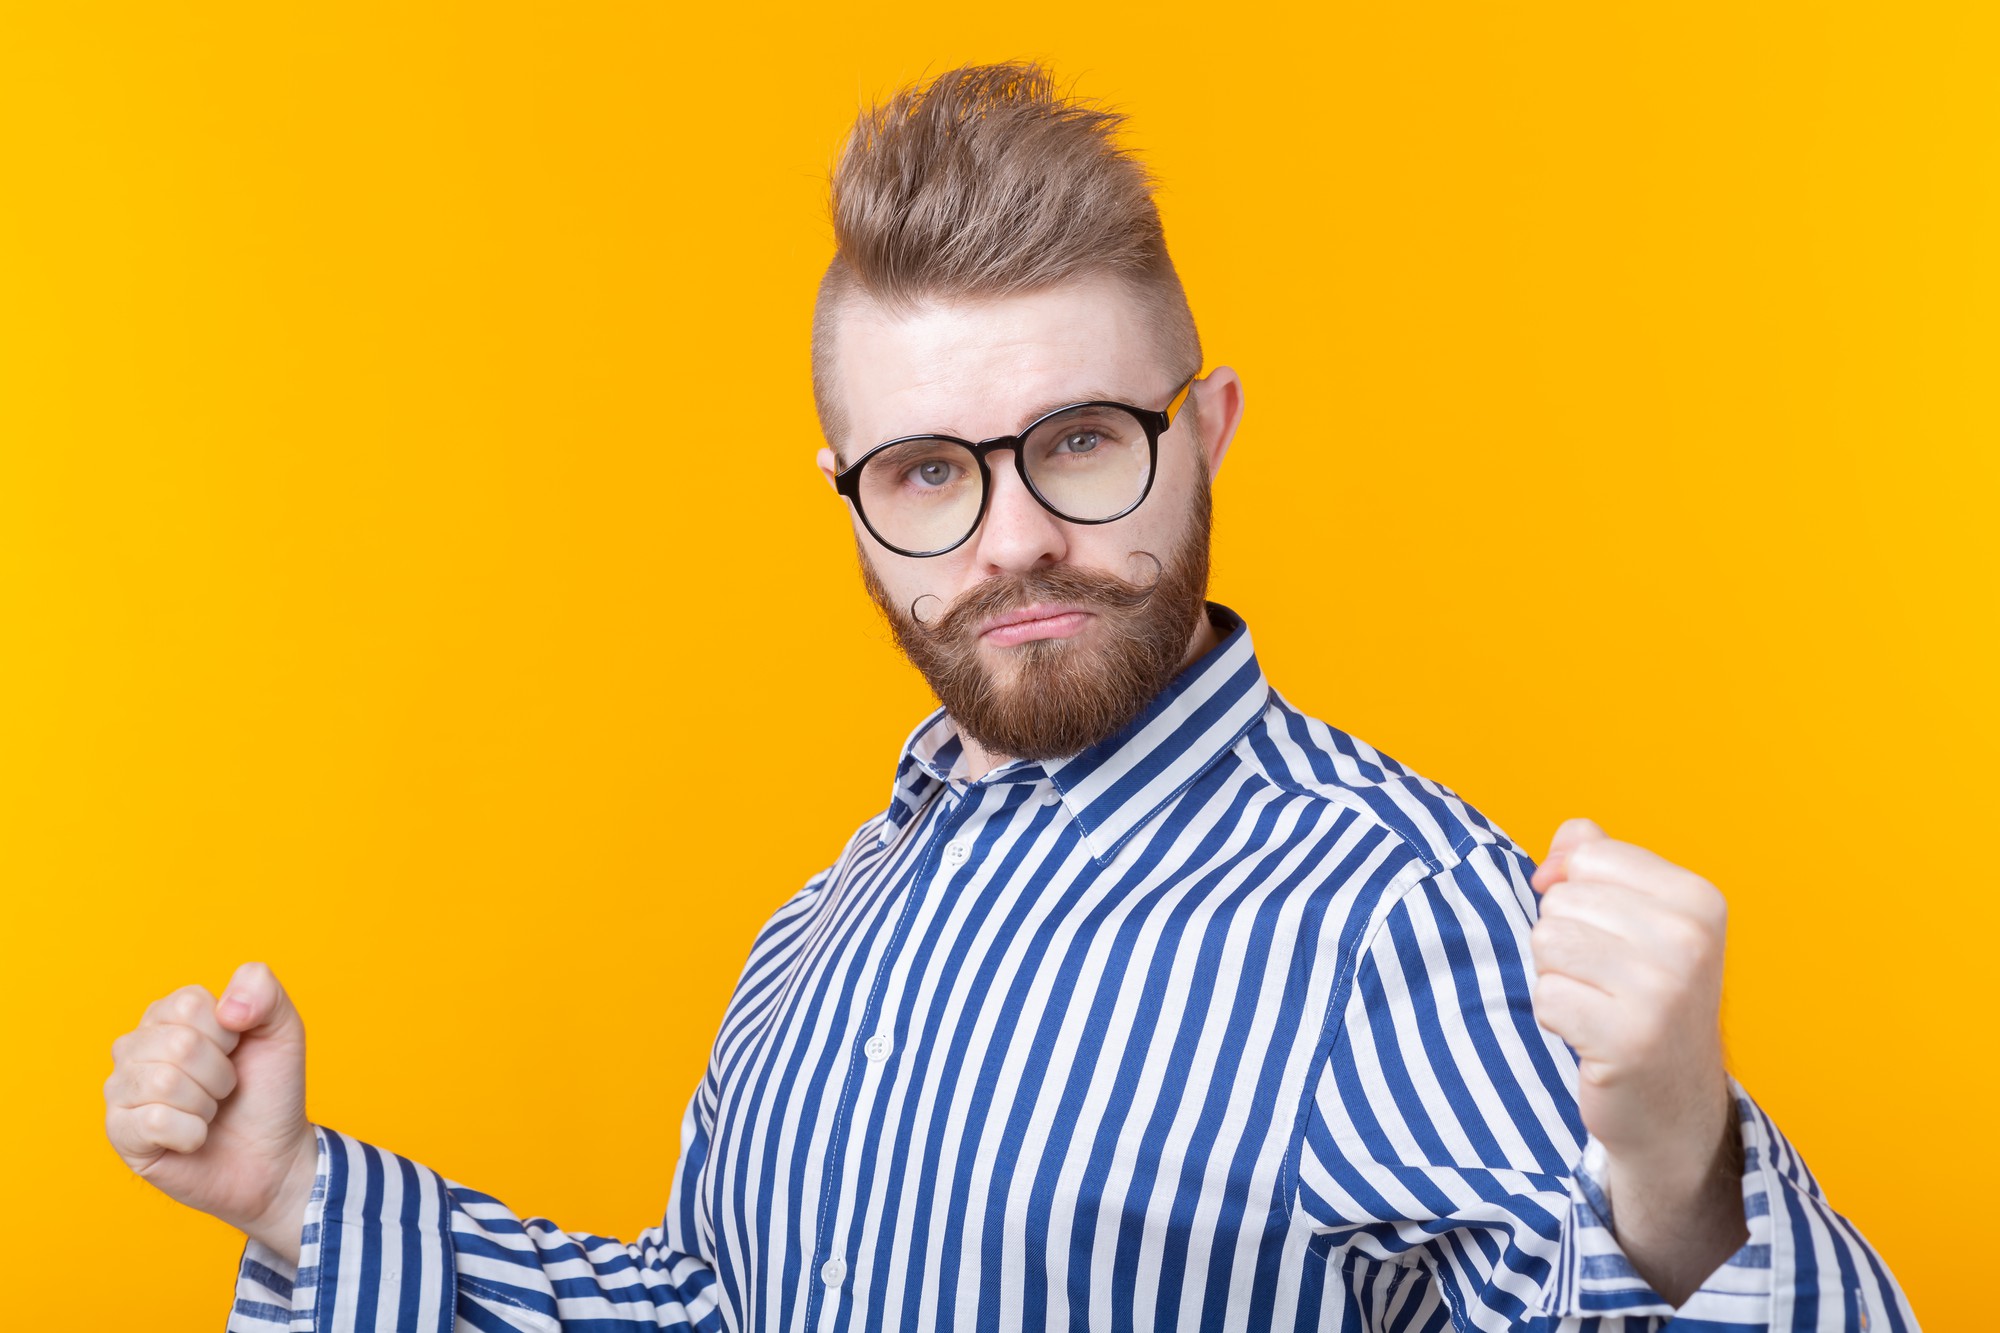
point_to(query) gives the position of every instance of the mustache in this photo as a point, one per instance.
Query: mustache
(1063, 583)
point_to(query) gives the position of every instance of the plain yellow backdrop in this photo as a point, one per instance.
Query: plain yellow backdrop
(413, 570)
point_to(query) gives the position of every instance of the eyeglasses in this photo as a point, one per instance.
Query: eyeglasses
(924, 495)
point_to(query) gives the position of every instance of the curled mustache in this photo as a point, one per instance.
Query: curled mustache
(1010, 592)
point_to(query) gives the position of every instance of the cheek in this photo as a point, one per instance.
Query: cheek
(1162, 521)
(1181, 462)
(901, 580)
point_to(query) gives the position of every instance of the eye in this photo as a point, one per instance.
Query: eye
(932, 472)
(1078, 442)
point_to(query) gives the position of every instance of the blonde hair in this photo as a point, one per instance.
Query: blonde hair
(987, 182)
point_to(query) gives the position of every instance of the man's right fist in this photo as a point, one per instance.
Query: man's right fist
(207, 1100)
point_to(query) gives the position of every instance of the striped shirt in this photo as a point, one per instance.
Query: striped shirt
(1221, 1024)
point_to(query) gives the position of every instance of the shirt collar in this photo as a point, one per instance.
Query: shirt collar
(1115, 786)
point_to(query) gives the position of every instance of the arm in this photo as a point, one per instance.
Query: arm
(1446, 1163)
(386, 1243)
(207, 1102)
(1629, 953)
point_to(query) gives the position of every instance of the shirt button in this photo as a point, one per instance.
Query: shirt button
(1052, 796)
(833, 1272)
(955, 854)
(879, 1047)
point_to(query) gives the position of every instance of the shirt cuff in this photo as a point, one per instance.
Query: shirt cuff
(374, 1251)
(1592, 1276)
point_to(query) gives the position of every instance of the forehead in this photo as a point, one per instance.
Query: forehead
(982, 368)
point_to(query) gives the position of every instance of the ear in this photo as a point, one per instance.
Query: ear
(826, 463)
(1220, 413)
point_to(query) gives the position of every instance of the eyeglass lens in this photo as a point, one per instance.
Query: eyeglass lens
(1088, 464)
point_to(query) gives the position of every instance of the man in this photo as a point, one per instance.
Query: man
(1148, 1000)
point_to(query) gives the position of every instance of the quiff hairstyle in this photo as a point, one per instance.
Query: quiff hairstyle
(987, 182)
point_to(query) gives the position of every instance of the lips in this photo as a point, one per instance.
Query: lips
(1039, 611)
(1041, 621)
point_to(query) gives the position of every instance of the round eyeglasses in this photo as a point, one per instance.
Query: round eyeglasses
(924, 495)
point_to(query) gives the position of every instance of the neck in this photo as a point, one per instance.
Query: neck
(979, 761)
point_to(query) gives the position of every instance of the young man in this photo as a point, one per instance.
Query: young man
(1148, 1000)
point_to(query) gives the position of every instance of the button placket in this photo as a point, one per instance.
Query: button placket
(950, 813)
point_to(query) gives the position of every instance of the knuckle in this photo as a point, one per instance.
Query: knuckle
(188, 1002)
(1551, 941)
(1540, 993)
(1543, 952)
(155, 1121)
(159, 1081)
(1683, 937)
(1607, 1074)
(1657, 987)
(1588, 860)
(180, 1044)
(1687, 886)
(1561, 928)
(1709, 906)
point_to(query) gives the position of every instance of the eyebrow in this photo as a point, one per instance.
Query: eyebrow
(1050, 405)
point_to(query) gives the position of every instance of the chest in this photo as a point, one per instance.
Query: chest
(983, 1057)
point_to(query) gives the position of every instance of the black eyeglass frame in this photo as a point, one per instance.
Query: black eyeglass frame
(848, 480)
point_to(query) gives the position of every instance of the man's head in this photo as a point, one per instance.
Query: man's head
(1000, 256)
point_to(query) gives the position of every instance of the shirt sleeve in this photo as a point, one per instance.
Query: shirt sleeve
(1447, 1173)
(389, 1244)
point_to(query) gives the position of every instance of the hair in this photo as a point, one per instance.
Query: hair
(987, 182)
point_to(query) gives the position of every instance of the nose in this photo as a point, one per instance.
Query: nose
(1017, 534)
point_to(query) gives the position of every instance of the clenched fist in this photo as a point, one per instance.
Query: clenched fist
(206, 1100)
(1629, 951)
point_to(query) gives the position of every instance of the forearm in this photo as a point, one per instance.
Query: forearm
(388, 1243)
(1677, 1219)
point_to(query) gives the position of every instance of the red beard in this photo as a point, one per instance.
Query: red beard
(1056, 697)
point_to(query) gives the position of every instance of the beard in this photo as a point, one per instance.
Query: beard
(1052, 698)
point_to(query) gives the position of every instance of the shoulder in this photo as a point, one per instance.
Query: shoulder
(1298, 753)
(795, 914)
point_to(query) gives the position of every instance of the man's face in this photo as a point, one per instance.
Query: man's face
(1039, 636)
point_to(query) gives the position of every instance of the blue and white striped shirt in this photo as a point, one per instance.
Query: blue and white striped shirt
(1222, 1024)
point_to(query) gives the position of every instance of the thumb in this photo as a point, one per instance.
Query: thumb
(254, 1003)
(1570, 835)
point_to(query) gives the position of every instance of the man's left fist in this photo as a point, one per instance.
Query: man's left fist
(1629, 948)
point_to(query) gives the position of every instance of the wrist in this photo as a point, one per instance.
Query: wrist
(278, 1227)
(1682, 1163)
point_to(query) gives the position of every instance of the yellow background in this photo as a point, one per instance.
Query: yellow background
(413, 571)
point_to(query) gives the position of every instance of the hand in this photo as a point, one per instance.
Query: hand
(1629, 950)
(206, 1100)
